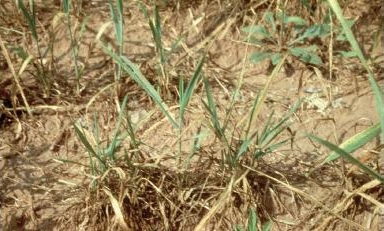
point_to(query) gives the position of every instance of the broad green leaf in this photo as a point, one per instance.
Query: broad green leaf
(318, 30)
(260, 32)
(260, 56)
(348, 157)
(307, 54)
(271, 20)
(275, 58)
(355, 142)
(257, 42)
(297, 21)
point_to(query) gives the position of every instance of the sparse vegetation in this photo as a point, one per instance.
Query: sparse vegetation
(174, 124)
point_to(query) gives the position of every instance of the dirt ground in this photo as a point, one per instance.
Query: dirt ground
(46, 183)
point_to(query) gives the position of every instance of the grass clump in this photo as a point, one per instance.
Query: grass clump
(30, 17)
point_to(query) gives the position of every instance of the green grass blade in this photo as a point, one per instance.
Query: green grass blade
(186, 96)
(260, 101)
(260, 152)
(243, 148)
(117, 17)
(267, 226)
(89, 147)
(70, 161)
(158, 33)
(238, 228)
(272, 133)
(173, 48)
(211, 107)
(138, 77)
(155, 29)
(252, 221)
(115, 140)
(84, 140)
(355, 142)
(131, 132)
(31, 19)
(266, 128)
(119, 4)
(181, 88)
(251, 117)
(96, 132)
(348, 157)
(355, 46)
(66, 6)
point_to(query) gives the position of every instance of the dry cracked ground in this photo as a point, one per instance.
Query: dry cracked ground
(167, 181)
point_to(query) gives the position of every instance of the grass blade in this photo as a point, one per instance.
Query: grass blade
(355, 46)
(263, 94)
(31, 18)
(117, 17)
(138, 77)
(90, 150)
(270, 134)
(110, 152)
(243, 148)
(155, 29)
(187, 94)
(158, 34)
(267, 226)
(348, 157)
(66, 6)
(252, 221)
(355, 142)
(211, 107)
